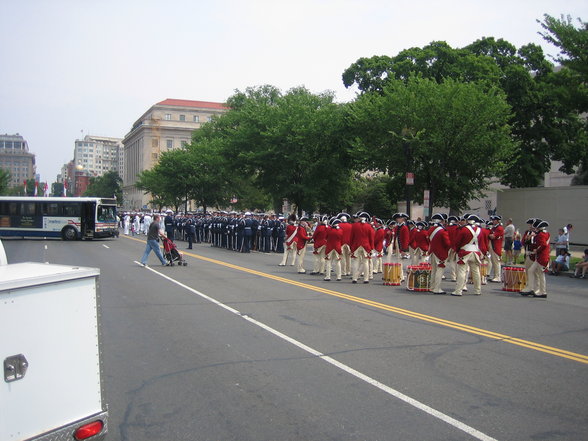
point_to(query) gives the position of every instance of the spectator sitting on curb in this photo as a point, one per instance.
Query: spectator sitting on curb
(561, 263)
(582, 266)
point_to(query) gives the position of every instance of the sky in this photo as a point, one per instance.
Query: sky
(71, 68)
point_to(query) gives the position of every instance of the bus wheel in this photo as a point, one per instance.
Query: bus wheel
(69, 233)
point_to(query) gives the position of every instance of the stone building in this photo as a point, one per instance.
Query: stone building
(16, 158)
(165, 126)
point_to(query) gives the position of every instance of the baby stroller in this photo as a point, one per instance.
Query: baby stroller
(172, 254)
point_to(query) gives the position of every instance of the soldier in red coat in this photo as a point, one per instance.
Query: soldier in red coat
(496, 240)
(421, 243)
(401, 239)
(540, 257)
(302, 237)
(333, 249)
(469, 255)
(452, 229)
(319, 238)
(379, 237)
(345, 227)
(390, 240)
(290, 241)
(362, 244)
(439, 246)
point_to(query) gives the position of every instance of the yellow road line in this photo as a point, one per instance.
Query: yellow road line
(431, 319)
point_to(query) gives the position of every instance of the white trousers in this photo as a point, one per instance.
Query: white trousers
(471, 261)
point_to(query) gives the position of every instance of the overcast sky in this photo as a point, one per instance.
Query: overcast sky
(69, 66)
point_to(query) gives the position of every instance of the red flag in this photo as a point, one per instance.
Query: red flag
(64, 188)
(46, 190)
(36, 188)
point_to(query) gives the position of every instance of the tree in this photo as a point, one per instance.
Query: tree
(4, 181)
(288, 145)
(543, 123)
(106, 186)
(454, 136)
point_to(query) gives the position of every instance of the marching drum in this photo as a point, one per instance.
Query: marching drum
(392, 274)
(514, 278)
(419, 277)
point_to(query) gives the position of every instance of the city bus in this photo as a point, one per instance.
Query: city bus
(68, 218)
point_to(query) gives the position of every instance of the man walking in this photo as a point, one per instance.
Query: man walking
(153, 242)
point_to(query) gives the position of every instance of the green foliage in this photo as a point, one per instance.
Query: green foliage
(288, 145)
(4, 181)
(105, 186)
(454, 136)
(545, 123)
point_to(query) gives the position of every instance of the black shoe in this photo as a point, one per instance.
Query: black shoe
(540, 296)
(440, 293)
(527, 293)
(366, 281)
(354, 281)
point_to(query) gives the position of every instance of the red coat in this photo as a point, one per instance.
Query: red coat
(412, 232)
(484, 241)
(346, 231)
(379, 237)
(362, 235)
(452, 231)
(542, 248)
(421, 239)
(464, 238)
(334, 240)
(301, 237)
(497, 239)
(290, 230)
(439, 242)
(402, 235)
(320, 236)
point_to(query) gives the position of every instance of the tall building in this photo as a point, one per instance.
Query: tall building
(15, 157)
(98, 155)
(165, 126)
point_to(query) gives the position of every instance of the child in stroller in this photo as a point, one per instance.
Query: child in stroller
(172, 254)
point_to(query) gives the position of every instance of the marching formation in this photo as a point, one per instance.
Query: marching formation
(468, 248)
(465, 250)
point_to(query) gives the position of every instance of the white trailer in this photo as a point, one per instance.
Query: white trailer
(50, 348)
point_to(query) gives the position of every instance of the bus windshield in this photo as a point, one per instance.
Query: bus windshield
(106, 213)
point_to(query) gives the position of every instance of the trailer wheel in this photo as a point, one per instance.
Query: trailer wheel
(69, 233)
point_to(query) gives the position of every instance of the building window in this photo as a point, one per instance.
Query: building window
(182, 117)
(170, 143)
(168, 116)
(196, 118)
(155, 142)
(209, 118)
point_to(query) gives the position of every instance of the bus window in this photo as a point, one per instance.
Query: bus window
(28, 209)
(12, 208)
(106, 214)
(52, 209)
(71, 210)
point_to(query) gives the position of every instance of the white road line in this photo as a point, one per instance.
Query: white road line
(389, 390)
(45, 247)
(105, 246)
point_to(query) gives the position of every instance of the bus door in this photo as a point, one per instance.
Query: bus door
(88, 220)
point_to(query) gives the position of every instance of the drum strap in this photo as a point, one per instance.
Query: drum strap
(434, 233)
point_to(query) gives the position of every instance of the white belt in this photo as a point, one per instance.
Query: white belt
(470, 247)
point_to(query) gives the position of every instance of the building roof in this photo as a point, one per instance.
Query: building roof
(189, 103)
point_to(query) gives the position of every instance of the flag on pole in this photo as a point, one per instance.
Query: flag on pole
(46, 190)
(64, 188)
(36, 189)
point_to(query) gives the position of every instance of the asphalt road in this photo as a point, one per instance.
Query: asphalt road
(234, 347)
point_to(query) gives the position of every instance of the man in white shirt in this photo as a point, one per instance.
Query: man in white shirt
(509, 234)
